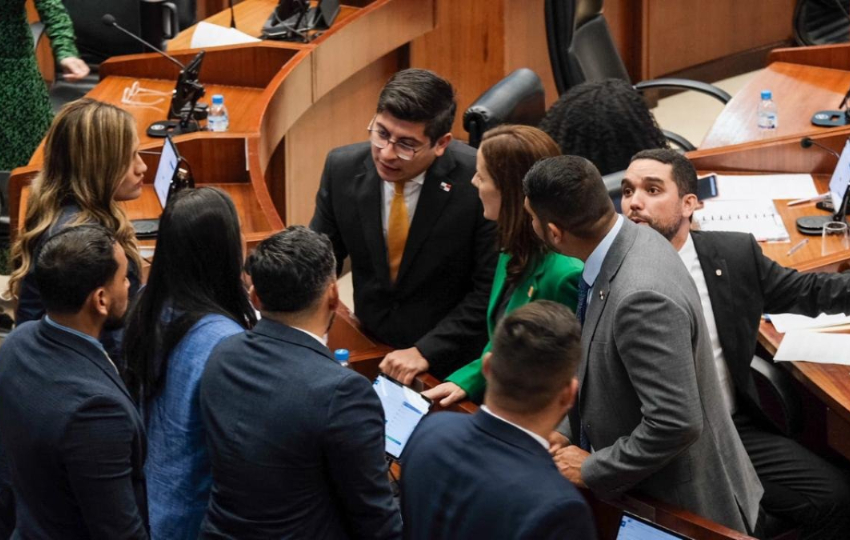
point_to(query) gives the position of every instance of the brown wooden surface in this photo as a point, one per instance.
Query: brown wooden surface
(826, 56)
(681, 34)
(798, 90)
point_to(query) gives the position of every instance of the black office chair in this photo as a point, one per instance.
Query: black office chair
(519, 98)
(581, 49)
(821, 22)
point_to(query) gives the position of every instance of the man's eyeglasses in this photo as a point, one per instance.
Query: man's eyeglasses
(381, 139)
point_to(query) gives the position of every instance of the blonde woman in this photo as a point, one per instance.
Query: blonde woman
(91, 162)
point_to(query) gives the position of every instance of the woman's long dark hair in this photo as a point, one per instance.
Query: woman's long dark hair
(606, 122)
(509, 151)
(196, 271)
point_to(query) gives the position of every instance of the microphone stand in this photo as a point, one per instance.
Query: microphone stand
(232, 15)
(813, 225)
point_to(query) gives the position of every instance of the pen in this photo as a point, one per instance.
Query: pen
(821, 197)
(798, 246)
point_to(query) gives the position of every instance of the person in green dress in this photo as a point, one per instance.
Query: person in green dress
(24, 103)
(526, 270)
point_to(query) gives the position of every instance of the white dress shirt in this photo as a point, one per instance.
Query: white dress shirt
(593, 264)
(531, 434)
(321, 339)
(688, 254)
(412, 189)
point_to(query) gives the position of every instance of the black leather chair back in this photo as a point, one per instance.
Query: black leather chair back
(581, 47)
(519, 98)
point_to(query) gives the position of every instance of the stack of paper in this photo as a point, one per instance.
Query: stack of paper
(765, 186)
(810, 346)
(757, 217)
(212, 35)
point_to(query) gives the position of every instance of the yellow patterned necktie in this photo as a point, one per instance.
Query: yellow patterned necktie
(398, 226)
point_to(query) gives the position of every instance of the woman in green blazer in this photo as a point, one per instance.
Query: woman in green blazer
(526, 270)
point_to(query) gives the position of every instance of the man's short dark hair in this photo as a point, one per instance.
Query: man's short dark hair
(422, 96)
(569, 192)
(684, 173)
(536, 351)
(72, 264)
(291, 269)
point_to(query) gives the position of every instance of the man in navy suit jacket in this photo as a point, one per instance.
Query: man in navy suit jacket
(296, 441)
(73, 438)
(490, 475)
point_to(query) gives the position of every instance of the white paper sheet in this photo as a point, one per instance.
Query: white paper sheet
(212, 35)
(765, 186)
(809, 346)
(788, 322)
(757, 217)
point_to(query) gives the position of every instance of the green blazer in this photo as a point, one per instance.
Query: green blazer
(555, 278)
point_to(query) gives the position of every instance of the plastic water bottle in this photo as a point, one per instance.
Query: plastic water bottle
(217, 118)
(767, 113)
(341, 356)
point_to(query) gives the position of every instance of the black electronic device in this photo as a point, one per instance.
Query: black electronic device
(184, 111)
(633, 527)
(170, 178)
(830, 118)
(404, 408)
(293, 20)
(839, 189)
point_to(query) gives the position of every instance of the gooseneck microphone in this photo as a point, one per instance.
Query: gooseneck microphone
(109, 20)
(808, 142)
(232, 15)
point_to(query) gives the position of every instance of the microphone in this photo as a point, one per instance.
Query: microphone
(807, 142)
(109, 20)
(232, 15)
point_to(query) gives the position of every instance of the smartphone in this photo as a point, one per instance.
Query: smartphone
(707, 187)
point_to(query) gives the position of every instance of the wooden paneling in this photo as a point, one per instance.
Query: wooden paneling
(798, 90)
(319, 130)
(783, 155)
(526, 45)
(686, 33)
(827, 56)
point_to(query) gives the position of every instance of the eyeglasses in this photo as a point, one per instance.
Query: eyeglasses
(381, 139)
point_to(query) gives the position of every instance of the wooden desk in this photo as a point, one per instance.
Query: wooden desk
(799, 91)
(290, 103)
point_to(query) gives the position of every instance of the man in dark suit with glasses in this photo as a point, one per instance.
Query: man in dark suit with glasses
(402, 207)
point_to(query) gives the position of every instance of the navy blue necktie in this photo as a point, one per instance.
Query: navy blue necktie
(581, 308)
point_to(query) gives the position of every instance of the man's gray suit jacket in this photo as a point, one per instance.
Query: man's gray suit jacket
(649, 396)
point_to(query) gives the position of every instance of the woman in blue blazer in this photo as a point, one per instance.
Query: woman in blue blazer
(526, 270)
(193, 300)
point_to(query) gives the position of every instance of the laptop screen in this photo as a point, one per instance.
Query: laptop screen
(635, 528)
(168, 162)
(403, 410)
(841, 177)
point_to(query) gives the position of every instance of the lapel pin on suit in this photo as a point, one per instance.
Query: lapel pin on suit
(531, 291)
(602, 295)
(445, 186)
(719, 272)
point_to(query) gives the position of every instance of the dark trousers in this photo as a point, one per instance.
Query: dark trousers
(799, 487)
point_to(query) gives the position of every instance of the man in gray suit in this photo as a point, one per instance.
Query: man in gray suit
(650, 409)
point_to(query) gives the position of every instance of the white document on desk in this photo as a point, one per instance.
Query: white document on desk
(788, 322)
(819, 347)
(765, 186)
(757, 217)
(213, 35)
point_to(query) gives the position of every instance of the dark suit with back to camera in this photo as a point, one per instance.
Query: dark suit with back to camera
(439, 300)
(649, 399)
(296, 442)
(73, 438)
(476, 476)
(742, 285)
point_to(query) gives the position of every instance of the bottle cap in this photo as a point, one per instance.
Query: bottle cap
(218, 99)
(341, 355)
(765, 94)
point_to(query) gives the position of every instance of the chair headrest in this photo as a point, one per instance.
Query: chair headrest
(519, 98)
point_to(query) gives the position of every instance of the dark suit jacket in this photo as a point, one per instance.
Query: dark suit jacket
(73, 437)
(439, 300)
(649, 397)
(475, 476)
(743, 284)
(296, 442)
